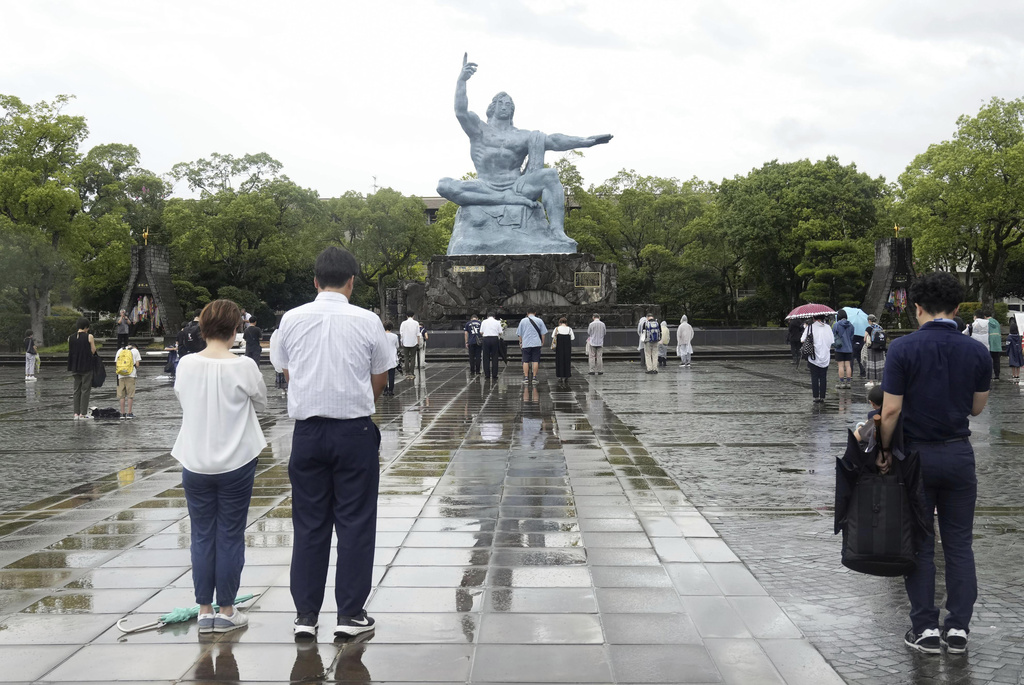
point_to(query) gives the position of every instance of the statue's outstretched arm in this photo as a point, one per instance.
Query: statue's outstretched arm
(469, 120)
(560, 142)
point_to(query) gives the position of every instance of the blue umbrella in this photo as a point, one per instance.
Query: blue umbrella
(859, 319)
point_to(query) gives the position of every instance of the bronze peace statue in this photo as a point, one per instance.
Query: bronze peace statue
(506, 209)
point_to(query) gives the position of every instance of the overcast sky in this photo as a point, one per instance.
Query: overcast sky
(341, 92)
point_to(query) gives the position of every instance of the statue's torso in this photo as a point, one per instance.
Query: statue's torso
(497, 154)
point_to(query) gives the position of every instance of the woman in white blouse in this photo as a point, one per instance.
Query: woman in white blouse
(218, 444)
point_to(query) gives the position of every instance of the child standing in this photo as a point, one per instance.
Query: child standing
(393, 344)
(30, 355)
(865, 431)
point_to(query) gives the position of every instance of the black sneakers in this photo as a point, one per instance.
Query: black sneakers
(954, 640)
(349, 626)
(927, 642)
(305, 626)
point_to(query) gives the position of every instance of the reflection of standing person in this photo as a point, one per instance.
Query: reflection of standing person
(490, 336)
(81, 348)
(595, 345)
(218, 453)
(936, 380)
(793, 335)
(684, 338)
(253, 337)
(122, 329)
(336, 358)
(874, 344)
(1014, 355)
(474, 345)
(823, 339)
(409, 334)
(561, 340)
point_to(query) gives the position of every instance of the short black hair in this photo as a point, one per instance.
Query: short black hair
(28, 333)
(388, 325)
(841, 314)
(252, 320)
(474, 316)
(490, 313)
(409, 315)
(335, 267)
(937, 293)
(1013, 326)
(82, 322)
(876, 395)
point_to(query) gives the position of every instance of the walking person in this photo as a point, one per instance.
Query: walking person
(995, 342)
(409, 335)
(81, 348)
(253, 337)
(126, 368)
(490, 337)
(336, 357)
(531, 332)
(936, 380)
(843, 334)
(595, 345)
(874, 350)
(218, 445)
(30, 355)
(793, 335)
(684, 338)
(123, 327)
(649, 336)
(1014, 354)
(821, 334)
(474, 345)
(561, 342)
(393, 350)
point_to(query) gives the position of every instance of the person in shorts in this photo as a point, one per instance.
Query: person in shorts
(843, 332)
(531, 332)
(126, 382)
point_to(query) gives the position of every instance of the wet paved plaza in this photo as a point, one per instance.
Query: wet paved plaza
(625, 529)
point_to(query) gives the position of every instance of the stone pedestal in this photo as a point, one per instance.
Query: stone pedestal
(554, 285)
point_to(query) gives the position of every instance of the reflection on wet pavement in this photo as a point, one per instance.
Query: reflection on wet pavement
(525, 534)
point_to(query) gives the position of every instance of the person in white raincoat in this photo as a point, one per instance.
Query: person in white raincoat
(684, 334)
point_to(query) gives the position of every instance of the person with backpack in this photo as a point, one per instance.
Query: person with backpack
(650, 334)
(874, 351)
(471, 334)
(126, 366)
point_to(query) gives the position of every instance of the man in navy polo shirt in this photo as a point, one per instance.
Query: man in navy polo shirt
(937, 378)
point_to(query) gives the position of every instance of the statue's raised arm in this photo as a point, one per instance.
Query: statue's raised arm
(469, 120)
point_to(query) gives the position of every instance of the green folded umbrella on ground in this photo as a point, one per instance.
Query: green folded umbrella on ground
(179, 615)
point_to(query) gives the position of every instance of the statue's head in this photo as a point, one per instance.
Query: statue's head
(501, 107)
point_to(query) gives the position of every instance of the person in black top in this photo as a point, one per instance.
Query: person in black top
(793, 335)
(471, 334)
(252, 336)
(30, 355)
(81, 348)
(190, 339)
(936, 379)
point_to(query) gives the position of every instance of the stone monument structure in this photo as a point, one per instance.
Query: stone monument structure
(150, 291)
(891, 279)
(509, 252)
(507, 209)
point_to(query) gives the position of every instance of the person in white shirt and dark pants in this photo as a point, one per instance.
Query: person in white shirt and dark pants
(409, 336)
(217, 446)
(490, 334)
(336, 359)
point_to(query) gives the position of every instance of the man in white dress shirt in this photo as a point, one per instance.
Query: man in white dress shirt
(490, 335)
(409, 335)
(335, 357)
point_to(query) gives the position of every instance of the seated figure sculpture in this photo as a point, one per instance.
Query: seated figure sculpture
(499, 211)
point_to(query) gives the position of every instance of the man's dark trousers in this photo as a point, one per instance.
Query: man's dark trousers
(491, 349)
(474, 357)
(858, 345)
(335, 472)
(950, 484)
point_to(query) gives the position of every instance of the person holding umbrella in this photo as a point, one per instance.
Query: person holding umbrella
(822, 337)
(859, 319)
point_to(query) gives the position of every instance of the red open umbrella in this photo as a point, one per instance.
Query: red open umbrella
(806, 311)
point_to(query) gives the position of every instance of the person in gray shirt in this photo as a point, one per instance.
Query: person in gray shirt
(595, 345)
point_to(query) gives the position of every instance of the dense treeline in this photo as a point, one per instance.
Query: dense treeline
(744, 250)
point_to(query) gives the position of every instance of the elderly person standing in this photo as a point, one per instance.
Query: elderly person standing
(595, 345)
(684, 335)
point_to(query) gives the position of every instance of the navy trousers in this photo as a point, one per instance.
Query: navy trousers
(951, 486)
(217, 507)
(858, 345)
(475, 350)
(819, 380)
(335, 472)
(491, 350)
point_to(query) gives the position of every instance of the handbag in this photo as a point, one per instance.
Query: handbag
(99, 372)
(807, 348)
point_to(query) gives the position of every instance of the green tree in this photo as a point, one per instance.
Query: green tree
(42, 227)
(836, 272)
(968, 193)
(389, 235)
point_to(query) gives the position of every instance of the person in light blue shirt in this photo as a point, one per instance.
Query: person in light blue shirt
(531, 332)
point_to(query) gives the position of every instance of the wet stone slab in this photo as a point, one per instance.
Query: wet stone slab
(525, 534)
